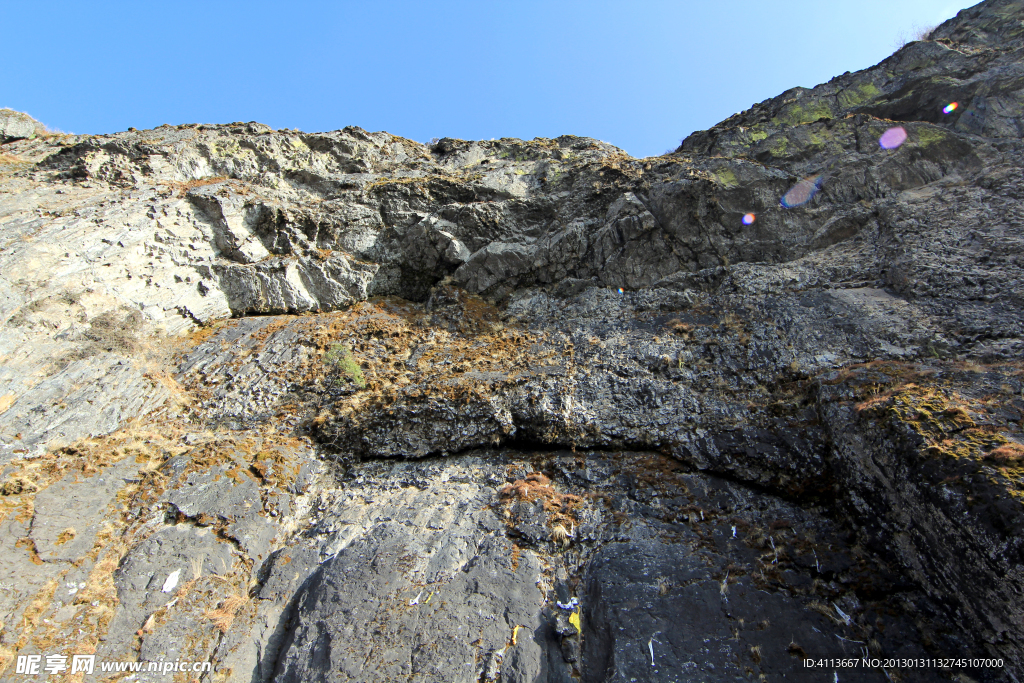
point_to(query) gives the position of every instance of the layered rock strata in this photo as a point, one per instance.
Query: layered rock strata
(343, 406)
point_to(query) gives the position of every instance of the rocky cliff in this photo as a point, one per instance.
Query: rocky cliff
(347, 407)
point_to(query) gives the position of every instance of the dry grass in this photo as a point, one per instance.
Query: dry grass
(148, 625)
(34, 612)
(559, 506)
(96, 602)
(29, 546)
(825, 610)
(942, 416)
(17, 485)
(450, 360)
(1011, 453)
(204, 333)
(196, 564)
(7, 656)
(181, 188)
(224, 615)
(179, 398)
(913, 34)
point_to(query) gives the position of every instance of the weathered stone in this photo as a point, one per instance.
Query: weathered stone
(535, 384)
(652, 612)
(352, 616)
(14, 124)
(69, 513)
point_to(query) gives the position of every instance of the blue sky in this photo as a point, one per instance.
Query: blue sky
(640, 75)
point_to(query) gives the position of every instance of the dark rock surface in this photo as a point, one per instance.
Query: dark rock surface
(346, 407)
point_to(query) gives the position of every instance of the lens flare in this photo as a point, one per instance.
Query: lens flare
(950, 108)
(893, 138)
(802, 192)
(620, 290)
(749, 218)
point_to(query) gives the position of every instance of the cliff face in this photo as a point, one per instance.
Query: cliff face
(346, 407)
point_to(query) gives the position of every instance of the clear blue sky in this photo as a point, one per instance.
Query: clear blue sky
(640, 75)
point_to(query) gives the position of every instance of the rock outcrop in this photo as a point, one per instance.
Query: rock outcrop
(14, 124)
(347, 407)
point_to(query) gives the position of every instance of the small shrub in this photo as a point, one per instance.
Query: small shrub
(913, 34)
(339, 359)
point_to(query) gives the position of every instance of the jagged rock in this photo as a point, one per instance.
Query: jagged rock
(294, 286)
(900, 462)
(452, 624)
(346, 406)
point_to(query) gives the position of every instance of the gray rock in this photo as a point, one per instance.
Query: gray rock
(226, 492)
(14, 124)
(353, 617)
(181, 550)
(90, 396)
(653, 613)
(295, 285)
(527, 372)
(258, 649)
(69, 513)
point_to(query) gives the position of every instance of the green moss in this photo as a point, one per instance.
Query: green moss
(726, 177)
(759, 135)
(779, 145)
(929, 135)
(339, 358)
(818, 140)
(796, 114)
(851, 97)
(942, 419)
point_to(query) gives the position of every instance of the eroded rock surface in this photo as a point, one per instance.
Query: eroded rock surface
(346, 407)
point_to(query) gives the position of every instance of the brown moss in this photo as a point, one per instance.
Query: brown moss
(561, 507)
(941, 415)
(1007, 454)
